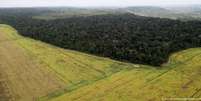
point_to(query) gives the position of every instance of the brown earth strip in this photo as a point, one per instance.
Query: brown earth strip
(27, 79)
(4, 93)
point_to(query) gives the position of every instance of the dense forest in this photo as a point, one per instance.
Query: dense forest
(126, 37)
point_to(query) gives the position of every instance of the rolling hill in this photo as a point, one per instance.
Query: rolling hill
(190, 12)
(68, 12)
(32, 70)
(180, 78)
(153, 12)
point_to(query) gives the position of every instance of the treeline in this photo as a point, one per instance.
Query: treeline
(124, 37)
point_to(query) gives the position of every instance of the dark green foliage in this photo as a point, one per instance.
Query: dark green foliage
(125, 37)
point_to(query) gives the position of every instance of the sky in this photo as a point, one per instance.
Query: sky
(94, 3)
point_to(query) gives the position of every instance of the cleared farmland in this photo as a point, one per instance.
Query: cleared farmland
(25, 79)
(32, 70)
(180, 79)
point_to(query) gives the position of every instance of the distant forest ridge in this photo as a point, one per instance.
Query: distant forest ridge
(121, 36)
(186, 13)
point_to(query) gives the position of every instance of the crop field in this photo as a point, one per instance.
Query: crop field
(31, 70)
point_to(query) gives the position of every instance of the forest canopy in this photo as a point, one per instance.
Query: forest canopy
(125, 37)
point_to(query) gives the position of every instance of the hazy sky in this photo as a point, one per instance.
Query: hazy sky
(88, 3)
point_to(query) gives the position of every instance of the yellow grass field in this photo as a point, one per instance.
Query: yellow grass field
(31, 70)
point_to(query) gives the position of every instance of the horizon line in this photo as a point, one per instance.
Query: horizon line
(66, 6)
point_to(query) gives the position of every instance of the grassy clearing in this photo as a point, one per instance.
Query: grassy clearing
(66, 75)
(181, 77)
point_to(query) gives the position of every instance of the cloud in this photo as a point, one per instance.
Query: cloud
(28, 3)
